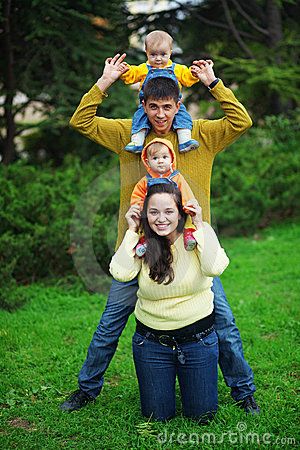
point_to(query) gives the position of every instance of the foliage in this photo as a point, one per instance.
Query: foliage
(36, 216)
(43, 346)
(259, 84)
(256, 181)
(52, 141)
(53, 58)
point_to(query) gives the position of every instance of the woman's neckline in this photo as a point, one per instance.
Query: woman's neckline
(173, 243)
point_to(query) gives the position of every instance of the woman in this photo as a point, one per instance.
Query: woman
(174, 311)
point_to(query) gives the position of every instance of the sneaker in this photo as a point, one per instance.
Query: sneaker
(249, 405)
(76, 400)
(189, 240)
(192, 144)
(141, 247)
(133, 148)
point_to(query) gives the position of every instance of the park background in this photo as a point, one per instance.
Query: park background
(59, 198)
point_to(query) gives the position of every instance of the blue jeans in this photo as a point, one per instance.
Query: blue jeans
(157, 366)
(236, 371)
(121, 302)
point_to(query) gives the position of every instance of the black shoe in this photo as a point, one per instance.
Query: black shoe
(249, 405)
(76, 400)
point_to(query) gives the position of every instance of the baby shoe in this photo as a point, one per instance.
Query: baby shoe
(189, 240)
(133, 148)
(192, 144)
(141, 247)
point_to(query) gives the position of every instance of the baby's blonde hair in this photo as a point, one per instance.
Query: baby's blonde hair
(156, 37)
(155, 147)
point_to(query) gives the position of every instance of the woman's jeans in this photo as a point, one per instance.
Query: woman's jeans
(121, 302)
(157, 366)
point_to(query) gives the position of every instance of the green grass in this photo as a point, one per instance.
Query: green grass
(44, 344)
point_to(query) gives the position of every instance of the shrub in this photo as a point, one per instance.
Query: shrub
(256, 181)
(36, 216)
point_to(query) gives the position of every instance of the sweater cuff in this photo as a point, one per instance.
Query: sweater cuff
(219, 91)
(131, 239)
(199, 236)
(213, 84)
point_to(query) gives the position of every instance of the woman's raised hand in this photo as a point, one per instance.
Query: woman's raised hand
(193, 208)
(133, 217)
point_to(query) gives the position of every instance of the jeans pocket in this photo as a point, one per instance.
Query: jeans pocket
(138, 339)
(210, 340)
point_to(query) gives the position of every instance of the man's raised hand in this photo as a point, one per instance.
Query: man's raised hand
(203, 70)
(114, 67)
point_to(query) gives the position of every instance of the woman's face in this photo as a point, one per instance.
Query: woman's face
(163, 215)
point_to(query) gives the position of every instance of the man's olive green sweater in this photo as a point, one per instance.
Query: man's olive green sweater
(195, 166)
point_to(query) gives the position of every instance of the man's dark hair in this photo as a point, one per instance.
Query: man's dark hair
(160, 88)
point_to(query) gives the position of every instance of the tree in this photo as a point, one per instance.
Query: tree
(51, 52)
(254, 43)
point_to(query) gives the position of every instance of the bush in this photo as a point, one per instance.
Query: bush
(256, 181)
(39, 207)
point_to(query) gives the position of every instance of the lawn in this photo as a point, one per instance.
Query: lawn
(44, 344)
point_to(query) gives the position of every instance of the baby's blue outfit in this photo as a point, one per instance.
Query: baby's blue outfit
(140, 120)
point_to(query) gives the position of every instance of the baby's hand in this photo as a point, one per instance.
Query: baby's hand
(195, 70)
(124, 67)
(190, 207)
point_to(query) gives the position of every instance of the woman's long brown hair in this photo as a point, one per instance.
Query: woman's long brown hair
(158, 255)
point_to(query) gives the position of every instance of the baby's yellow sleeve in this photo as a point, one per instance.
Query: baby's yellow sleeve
(135, 74)
(184, 75)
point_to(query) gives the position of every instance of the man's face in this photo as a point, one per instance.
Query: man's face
(161, 114)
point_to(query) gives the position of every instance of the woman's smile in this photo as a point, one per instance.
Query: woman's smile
(162, 226)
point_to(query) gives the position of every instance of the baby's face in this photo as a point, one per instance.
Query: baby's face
(160, 160)
(159, 56)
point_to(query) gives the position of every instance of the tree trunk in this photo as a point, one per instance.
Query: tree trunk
(274, 24)
(9, 87)
(275, 36)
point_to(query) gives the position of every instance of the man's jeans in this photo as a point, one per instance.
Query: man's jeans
(121, 302)
(157, 366)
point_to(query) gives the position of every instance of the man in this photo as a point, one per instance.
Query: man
(161, 104)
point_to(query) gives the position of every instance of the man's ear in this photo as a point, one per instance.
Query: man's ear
(178, 105)
(144, 104)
